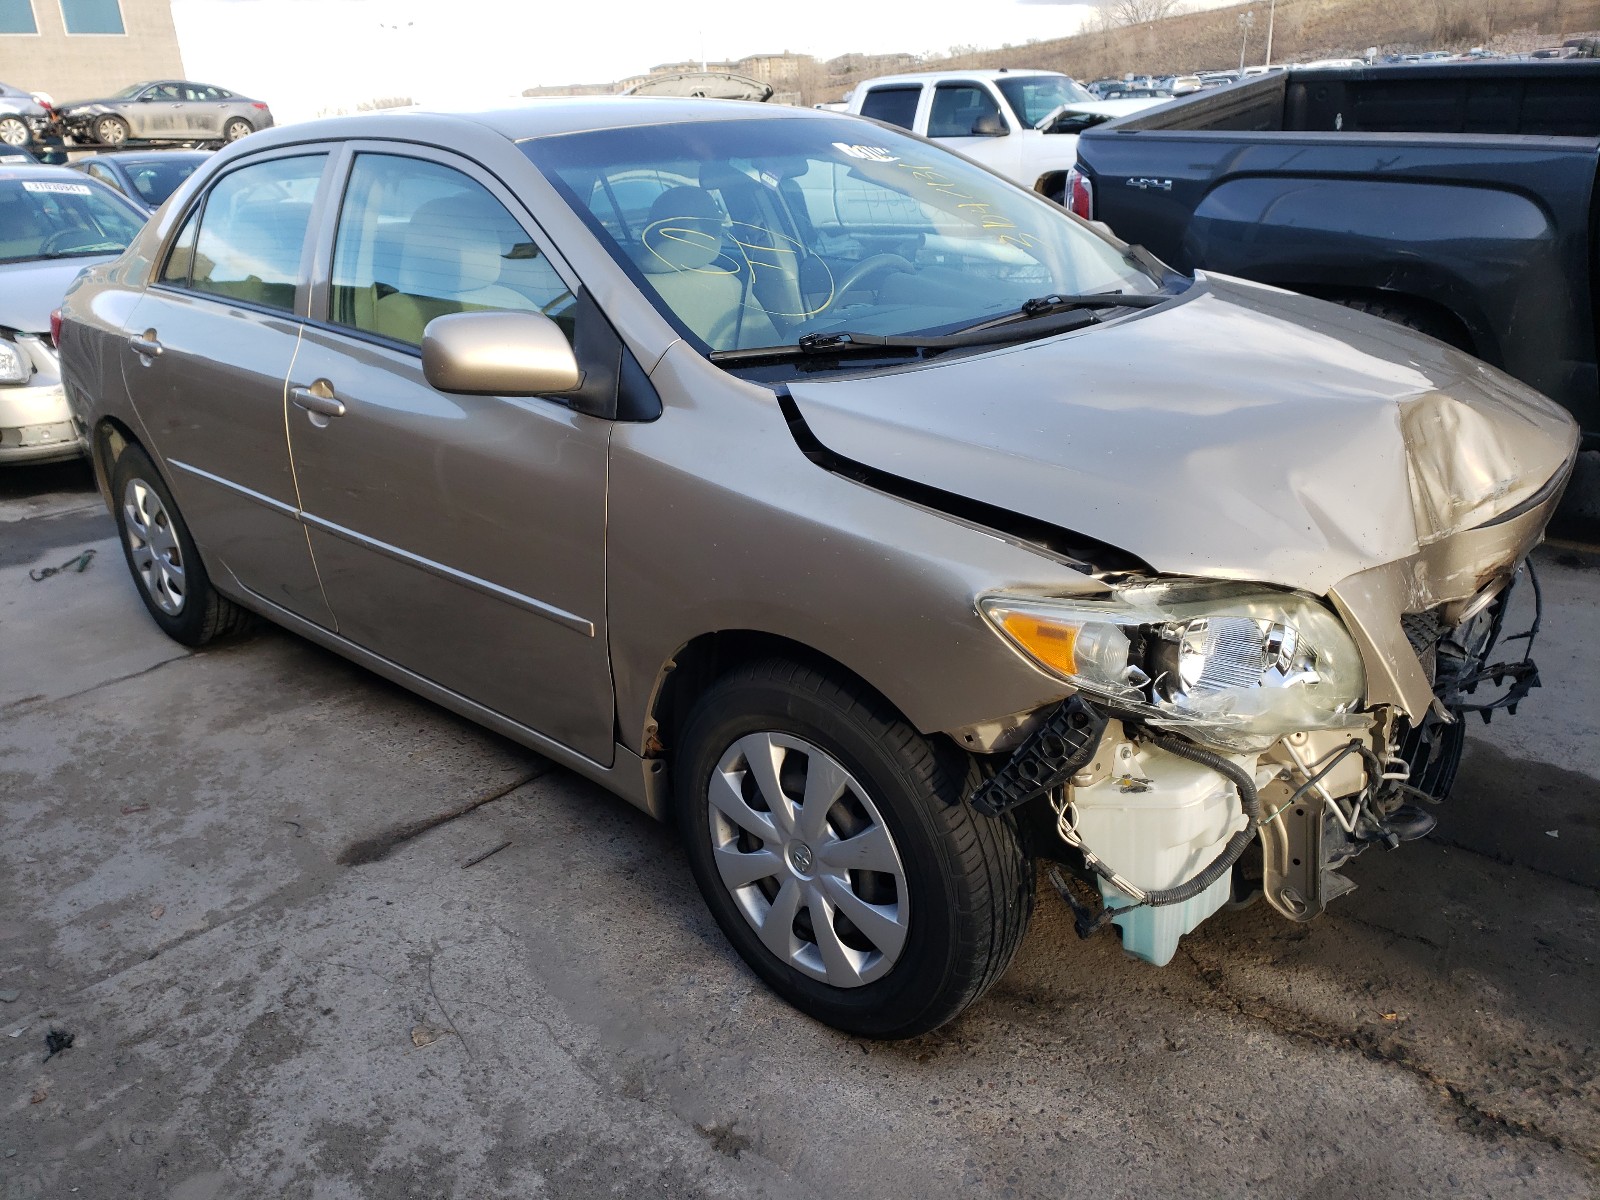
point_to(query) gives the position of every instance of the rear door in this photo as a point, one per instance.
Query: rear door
(462, 537)
(209, 347)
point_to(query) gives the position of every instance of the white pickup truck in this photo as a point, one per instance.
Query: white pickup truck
(1019, 123)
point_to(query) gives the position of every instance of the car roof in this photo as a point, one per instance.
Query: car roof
(39, 171)
(975, 73)
(535, 118)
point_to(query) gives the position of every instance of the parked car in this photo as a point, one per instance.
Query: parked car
(1308, 180)
(870, 518)
(167, 110)
(53, 223)
(22, 118)
(145, 177)
(1022, 124)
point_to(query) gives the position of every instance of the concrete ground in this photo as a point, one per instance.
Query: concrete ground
(256, 1014)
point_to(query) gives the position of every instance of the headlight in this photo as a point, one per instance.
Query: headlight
(13, 367)
(1239, 666)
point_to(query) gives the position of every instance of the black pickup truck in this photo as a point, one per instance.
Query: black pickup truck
(1458, 199)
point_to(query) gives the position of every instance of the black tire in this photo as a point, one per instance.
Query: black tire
(204, 616)
(1435, 325)
(110, 131)
(236, 129)
(14, 132)
(970, 883)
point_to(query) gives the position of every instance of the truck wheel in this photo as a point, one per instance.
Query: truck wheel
(834, 847)
(162, 558)
(1435, 325)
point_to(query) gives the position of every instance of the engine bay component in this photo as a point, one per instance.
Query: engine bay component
(1162, 830)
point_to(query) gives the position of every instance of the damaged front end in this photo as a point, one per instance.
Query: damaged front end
(1227, 743)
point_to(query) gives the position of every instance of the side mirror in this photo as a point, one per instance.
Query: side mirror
(498, 354)
(989, 125)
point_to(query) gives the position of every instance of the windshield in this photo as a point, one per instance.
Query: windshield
(129, 92)
(1035, 97)
(754, 233)
(156, 179)
(50, 219)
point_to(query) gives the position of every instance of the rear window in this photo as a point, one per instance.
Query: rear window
(897, 105)
(45, 219)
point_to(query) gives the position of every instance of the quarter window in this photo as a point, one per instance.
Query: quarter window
(251, 233)
(419, 240)
(896, 105)
(92, 16)
(956, 107)
(16, 16)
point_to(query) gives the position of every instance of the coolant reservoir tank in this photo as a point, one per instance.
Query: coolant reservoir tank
(1157, 820)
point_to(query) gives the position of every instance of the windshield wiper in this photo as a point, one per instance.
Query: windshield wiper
(832, 345)
(1054, 304)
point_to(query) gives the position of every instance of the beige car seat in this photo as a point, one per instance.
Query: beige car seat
(684, 261)
(450, 261)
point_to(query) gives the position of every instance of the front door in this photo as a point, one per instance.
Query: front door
(957, 108)
(160, 113)
(462, 537)
(210, 345)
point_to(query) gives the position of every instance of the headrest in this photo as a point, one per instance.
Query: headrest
(452, 245)
(683, 233)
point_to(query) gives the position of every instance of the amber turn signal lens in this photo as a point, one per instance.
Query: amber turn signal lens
(1053, 644)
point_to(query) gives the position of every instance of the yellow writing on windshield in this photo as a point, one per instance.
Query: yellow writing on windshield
(980, 212)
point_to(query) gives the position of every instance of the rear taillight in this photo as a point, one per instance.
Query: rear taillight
(1080, 194)
(258, 104)
(55, 329)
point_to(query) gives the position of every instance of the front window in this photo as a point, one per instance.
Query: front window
(55, 219)
(752, 233)
(1035, 97)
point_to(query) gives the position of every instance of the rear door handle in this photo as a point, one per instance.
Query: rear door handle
(145, 344)
(314, 401)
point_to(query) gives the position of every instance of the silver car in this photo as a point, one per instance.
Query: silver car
(22, 118)
(53, 223)
(167, 110)
(875, 521)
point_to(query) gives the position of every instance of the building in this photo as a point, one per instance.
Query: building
(84, 49)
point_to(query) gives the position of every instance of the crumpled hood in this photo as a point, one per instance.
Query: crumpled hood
(31, 291)
(1241, 432)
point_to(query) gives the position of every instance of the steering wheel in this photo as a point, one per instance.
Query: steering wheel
(869, 268)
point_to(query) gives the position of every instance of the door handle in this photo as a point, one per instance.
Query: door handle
(314, 401)
(145, 345)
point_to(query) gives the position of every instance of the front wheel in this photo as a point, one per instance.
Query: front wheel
(236, 129)
(14, 132)
(111, 131)
(162, 558)
(833, 845)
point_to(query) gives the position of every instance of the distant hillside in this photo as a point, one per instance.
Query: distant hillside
(1304, 30)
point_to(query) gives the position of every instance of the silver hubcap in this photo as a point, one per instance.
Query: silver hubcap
(153, 546)
(13, 132)
(237, 130)
(111, 133)
(808, 859)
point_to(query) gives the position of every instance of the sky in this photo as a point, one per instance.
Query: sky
(305, 56)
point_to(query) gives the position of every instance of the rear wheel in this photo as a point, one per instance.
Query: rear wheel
(833, 845)
(14, 131)
(162, 558)
(111, 131)
(236, 129)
